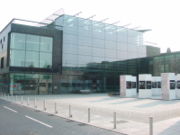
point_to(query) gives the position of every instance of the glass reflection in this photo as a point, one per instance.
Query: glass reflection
(32, 59)
(17, 58)
(28, 50)
(18, 41)
(32, 42)
(30, 83)
(46, 44)
(45, 60)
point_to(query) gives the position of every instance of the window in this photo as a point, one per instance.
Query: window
(159, 84)
(148, 85)
(154, 85)
(18, 41)
(17, 58)
(141, 84)
(178, 84)
(32, 43)
(172, 84)
(128, 85)
(31, 83)
(45, 60)
(133, 84)
(45, 44)
(32, 59)
(27, 50)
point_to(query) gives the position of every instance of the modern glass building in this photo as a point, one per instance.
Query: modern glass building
(70, 54)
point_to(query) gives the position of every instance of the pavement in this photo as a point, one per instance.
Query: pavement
(19, 120)
(132, 114)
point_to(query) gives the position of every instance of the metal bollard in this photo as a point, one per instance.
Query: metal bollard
(150, 125)
(28, 101)
(11, 97)
(55, 108)
(44, 105)
(70, 115)
(16, 98)
(89, 115)
(35, 106)
(21, 99)
(114, 117)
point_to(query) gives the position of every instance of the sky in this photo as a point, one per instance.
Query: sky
(161, 16)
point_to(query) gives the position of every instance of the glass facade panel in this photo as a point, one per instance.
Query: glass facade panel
(68, 38)
(98, 43)
(177, 56)
(21, 83)
(17, 58)
(70, 59)
(170, 63)
(98, 52)
(32, 42)
(85, 50)
(110, 45)
(98, 30)
(46, 44)
(70, 49)
(32, 59)
(158, 65)
(110, 32)
(122, 35)
(36, 52)
(84, 41)
(18, 41)
(45, 60)
(84, 60)
(110, 53)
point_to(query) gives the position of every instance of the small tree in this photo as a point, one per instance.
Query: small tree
(168, 50)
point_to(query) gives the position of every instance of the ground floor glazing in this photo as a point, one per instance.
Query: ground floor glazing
(23, 83)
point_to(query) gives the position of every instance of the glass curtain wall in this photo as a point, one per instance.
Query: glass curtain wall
(28, 50)
(87, 44)
(21, 83)
(86, 41)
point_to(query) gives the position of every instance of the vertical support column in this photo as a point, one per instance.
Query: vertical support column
(150, 125)
(114, 119)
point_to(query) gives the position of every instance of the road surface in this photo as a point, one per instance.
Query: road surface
(19, 120)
